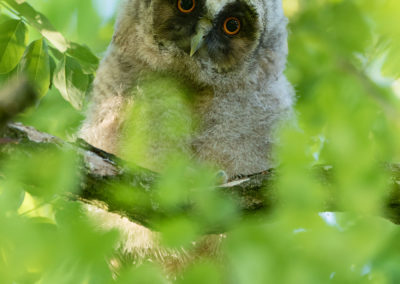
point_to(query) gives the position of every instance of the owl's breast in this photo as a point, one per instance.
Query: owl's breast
(236, 132)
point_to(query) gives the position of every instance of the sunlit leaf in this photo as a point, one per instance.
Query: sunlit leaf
(40, 22)
(13, 40)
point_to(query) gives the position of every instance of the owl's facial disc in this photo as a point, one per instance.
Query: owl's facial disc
(222, 37)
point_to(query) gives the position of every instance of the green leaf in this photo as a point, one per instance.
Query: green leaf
(392, 67)
(52, 63)
(56, 53)
(87, 59)
(4, 18)
(36, 66)
(71, 81)
(40, 22)
(13, 40)
(85, 56)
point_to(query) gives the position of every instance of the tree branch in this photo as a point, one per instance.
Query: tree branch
(103, 173)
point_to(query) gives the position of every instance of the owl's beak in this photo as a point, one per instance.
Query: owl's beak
(203, 28)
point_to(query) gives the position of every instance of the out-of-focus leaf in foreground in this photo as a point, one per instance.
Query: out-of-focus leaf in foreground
(343, 59)
(385, 17)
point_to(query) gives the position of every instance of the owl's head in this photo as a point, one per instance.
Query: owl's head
(206, 39)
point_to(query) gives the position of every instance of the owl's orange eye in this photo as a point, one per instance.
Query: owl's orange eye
(186, 6)
(231, 26)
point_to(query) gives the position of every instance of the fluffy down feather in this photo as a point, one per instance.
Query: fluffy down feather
(239, 102)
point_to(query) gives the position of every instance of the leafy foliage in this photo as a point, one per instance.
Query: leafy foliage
(76, 62)
(344, 63)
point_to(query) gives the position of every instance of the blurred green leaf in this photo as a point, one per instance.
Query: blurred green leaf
(385, 18)
(343, 60)
(13, 40)
(11, 200)
(147, 273)
(178, 233)
(46, 172)
(36, 66)
(205, 272)
(70, 80)
(53, 115)
(160, 119)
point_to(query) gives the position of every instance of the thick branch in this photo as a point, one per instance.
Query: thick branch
(107, 181)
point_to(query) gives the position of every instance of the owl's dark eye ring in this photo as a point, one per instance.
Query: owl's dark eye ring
(232, 26)
(186, 6)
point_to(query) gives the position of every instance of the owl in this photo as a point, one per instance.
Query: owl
(232, 54)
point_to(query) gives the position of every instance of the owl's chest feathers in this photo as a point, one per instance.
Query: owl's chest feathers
(231, 127)
(234, 125)
(236, 129)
